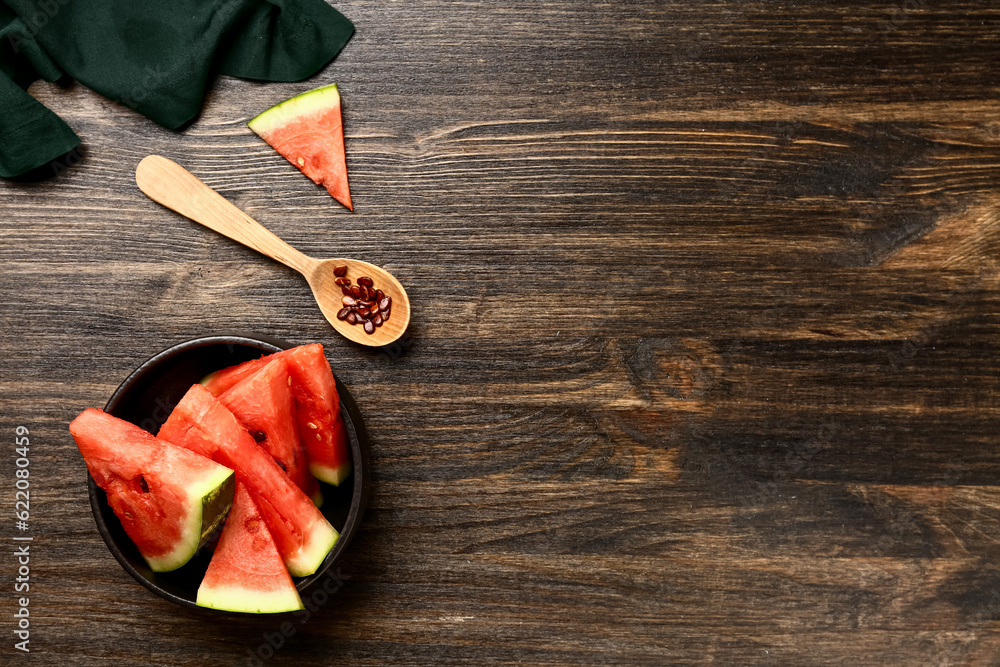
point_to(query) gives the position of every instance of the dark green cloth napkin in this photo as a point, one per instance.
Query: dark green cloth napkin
(154, 56)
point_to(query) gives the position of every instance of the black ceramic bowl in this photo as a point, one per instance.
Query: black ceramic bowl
(146, 398)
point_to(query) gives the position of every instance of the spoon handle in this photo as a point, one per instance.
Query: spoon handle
(166, 182)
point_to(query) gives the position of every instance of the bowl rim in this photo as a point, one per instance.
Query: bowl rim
(358, 437)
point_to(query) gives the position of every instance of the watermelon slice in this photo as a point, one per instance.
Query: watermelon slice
(309, 131)
(168, 499)
(263, 403)
(317, 407)
(246, 573)
(201, 423)
(317, 411)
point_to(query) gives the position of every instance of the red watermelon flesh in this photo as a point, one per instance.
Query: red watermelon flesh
(201, 423)
(167, 498)
(317, 407)
(263, 404)
(308, 130)
(220, 382)
(246, 573)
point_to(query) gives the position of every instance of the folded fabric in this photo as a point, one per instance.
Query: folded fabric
(155, 57)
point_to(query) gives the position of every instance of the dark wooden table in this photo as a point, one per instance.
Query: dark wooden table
(703, 363)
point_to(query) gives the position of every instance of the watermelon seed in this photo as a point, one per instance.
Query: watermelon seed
(319, 437)
(311, 425)
(340, 271)
(143, 485)
(259, 436)
(302, 162)
(363, 304)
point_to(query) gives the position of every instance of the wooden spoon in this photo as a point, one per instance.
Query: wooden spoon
(172, 185)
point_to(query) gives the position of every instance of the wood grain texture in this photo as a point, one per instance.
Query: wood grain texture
(702, 363)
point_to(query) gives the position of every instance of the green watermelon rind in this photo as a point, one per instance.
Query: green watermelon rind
(330, 474)
(209, 499)
(231, 598)
(307, 560)
(305, 104)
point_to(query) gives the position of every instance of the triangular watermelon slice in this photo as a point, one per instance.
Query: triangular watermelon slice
(308, 130)
(167, 498)
(263, 403)
(317, 410)
(246, 573)
(317, 407)
(201, 423)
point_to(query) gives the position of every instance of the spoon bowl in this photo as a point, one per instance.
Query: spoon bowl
(166, 182)
(330, 297)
